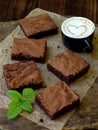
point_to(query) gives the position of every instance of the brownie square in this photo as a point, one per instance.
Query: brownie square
(29, 49)
(68, 66)
(38, 26)
(22, 74)
(57, 99)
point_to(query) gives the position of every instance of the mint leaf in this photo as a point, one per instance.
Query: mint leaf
(13, 103)
(26, 106)
(14, 109)
(14, 94)
(20, 102)
(29, 94)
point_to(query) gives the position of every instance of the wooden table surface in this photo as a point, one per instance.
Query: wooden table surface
(16, 9)
(85, 118)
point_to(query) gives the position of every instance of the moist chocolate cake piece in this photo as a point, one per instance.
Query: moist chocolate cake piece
(57, 99)
(22, 74)
(68, 66)
(29, 49)
(38, 26)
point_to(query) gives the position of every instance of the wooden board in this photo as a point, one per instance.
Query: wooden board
(14, 10)
(86, 116)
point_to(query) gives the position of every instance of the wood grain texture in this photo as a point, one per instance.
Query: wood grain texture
(16, 9)
(15, 124)
(86, 116)
(6, 28)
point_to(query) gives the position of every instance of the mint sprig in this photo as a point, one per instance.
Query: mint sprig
(20, 102)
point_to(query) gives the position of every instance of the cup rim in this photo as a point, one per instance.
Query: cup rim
(78, 17)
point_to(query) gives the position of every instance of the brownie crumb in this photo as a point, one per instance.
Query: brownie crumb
(58, 46)
(41, 120)
(19, 33)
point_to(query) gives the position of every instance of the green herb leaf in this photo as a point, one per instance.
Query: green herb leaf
(14, 109)
(20, 102)
(13, 103)
(26, 106)
(29, 94)
(14, 94)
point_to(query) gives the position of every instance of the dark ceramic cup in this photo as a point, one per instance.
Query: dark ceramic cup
(77, 34)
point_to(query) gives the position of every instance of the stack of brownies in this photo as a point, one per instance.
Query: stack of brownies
(57, 98)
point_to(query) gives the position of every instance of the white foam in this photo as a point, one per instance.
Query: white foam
(77, 27)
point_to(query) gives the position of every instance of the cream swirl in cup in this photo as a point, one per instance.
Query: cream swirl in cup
(77, 27)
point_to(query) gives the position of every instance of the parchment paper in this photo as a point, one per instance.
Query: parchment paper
(55, 46)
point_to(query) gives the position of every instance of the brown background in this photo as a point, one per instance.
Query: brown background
(16, 9)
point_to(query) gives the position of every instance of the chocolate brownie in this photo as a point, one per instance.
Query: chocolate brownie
(38, 26)
(68, 66)
(22, 74)
(29, 49)
(57, 99)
